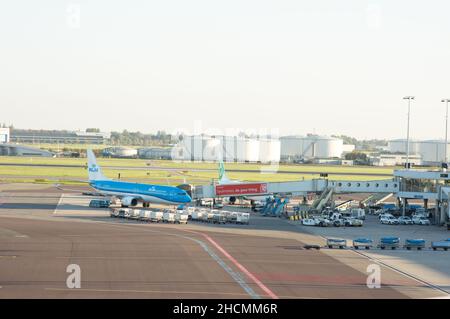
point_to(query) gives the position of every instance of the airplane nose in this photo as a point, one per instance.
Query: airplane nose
(188, 198)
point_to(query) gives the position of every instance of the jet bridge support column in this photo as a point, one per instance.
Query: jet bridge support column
(443, 212)
(442, 206)
(332, 202)
(437, 211)
(404, 202)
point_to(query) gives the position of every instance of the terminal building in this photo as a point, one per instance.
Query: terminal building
(54, 137)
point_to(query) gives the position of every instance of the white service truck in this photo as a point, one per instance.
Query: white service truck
(197, 215)
(156, 216)
(358, 213)
(168, 217)
(181, 218)
(243, 218)
(144, 215)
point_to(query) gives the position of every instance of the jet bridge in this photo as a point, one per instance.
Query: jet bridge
(295, 188)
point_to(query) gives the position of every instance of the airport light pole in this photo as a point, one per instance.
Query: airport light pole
(446, 127)
(409, 98)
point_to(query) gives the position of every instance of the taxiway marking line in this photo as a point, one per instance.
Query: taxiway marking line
(269, 292)
(59, 203)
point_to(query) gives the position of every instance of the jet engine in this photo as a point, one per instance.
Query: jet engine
(129, 201)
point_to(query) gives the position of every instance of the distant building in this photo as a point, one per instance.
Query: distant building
(394, 160)
(8, 149)
(155, 153)
(120, 152)
(4, 135)
(54, 137)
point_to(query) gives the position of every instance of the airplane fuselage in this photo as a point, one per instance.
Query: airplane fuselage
(142, 192)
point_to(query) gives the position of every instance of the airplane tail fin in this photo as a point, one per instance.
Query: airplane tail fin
(222, 176)
(94, 171)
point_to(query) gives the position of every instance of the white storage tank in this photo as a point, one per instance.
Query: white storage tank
(322, 147)
(291, 147)
(229, 148)
(399, 146)
(269, 150)
(212, 149)
(311, 146)
(191, 147)
(240, 146)
(182, 151)
(251, 150)
(432, 151)
(275, 150)
(226, 148)
(197, 142)
(178, 152)
(329, 147)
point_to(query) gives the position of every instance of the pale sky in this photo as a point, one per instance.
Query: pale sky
(323, 66)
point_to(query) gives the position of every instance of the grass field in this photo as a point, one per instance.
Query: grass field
(198, 165)
(186, 172)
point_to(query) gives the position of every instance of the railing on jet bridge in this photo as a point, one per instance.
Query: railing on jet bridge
(379, 186)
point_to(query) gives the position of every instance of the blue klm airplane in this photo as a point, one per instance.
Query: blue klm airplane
(132, 193)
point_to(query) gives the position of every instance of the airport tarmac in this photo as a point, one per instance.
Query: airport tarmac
(44, 229)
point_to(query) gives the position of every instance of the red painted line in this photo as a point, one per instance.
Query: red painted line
(269, 292)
